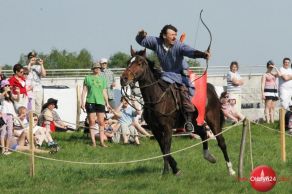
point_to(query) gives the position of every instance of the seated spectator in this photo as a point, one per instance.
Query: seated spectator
(108, 131)
(126, 115)
(288, 119)
(50, 119)
(18, 144)
(228, 108)
(40, 133)
(20, 122)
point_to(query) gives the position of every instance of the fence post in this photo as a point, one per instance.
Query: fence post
(282, 134)
(78, 112)
(31, 145)
(242, 148)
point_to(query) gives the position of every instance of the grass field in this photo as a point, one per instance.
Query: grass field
(198, 176)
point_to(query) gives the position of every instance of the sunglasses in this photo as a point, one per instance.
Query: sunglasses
(7, 86)
(226, 96)
(20, 72)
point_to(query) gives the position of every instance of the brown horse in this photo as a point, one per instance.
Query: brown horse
(162, 109)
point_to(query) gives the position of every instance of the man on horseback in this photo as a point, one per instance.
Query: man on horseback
(171, 53)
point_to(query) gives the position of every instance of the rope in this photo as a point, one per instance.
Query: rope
(127, 162)
(270, 128)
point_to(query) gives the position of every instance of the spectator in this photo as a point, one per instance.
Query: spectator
(269, 88)
(7, 100)
(20, 122)
(93, 100)
(51, 119)
(18, 144)
(36, 72)
(126, 115)
(228, 107)
(17, 83)
(2, 76)
(110, 79)
(234, 83)
(6, 127)
(285, 83)
(288, 119)
(29, 88)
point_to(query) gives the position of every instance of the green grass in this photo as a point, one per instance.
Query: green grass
(198, 176)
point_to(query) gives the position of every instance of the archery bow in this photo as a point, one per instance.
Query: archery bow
(209, 47)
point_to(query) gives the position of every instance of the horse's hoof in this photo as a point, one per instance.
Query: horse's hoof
(209, 157)
(230, 169)
(178, 173)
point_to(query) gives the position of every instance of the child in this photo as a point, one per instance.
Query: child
(228, 108)
(288, 119)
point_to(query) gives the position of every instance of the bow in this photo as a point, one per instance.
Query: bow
(208, 49)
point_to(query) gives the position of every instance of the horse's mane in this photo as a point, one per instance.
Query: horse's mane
(155, 71)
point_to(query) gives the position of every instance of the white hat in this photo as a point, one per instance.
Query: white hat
(103, 60)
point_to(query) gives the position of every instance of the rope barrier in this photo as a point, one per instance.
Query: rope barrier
(131, 161)
(270, 128)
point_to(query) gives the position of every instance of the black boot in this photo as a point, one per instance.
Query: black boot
(189, 127)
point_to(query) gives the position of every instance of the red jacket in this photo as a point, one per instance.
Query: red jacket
(15, 83)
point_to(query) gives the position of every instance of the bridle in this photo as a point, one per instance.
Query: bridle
(147, 104)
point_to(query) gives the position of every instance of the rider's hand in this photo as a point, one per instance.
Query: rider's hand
(208, 55)
(142, 33)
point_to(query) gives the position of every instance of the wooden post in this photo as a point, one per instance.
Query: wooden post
(31, 144)
(78, 112)
(242, 148)
(282, 134)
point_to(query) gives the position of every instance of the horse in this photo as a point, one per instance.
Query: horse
(163, 113)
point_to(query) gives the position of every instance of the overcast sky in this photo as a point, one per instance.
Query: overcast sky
(250, 31)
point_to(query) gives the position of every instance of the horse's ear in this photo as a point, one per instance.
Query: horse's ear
(144, 52)
(133, 52)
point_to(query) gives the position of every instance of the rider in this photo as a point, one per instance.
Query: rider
(170, 53)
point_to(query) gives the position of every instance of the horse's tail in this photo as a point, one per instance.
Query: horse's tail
(222, 119)
(216, 103)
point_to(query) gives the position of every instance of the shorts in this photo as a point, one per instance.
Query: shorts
(94, 108)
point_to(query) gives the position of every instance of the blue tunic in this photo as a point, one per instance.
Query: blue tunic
(172, 60)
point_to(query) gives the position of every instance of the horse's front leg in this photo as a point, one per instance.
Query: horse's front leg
(160, 139)
(167, 148)
(202, 133)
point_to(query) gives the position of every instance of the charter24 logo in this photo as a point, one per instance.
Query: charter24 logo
(263, 178)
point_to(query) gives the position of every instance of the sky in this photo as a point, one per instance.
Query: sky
(251, 31)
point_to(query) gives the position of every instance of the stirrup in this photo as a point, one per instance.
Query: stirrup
(189, 127)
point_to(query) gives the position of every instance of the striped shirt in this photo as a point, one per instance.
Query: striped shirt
(109, 76)
(230, 86)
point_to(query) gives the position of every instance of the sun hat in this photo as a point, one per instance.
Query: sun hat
(95, 65)
(50, 101)
(4, 83)
(103, 60)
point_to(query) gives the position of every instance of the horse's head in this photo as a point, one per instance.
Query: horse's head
(136, 68)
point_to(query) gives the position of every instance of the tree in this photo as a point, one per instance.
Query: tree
(119, 59)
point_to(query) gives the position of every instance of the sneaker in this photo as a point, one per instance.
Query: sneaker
(290, 132)
(7, 153)
(189, 127)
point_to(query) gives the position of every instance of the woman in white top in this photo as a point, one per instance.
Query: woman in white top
(234, 83)
(285, 83)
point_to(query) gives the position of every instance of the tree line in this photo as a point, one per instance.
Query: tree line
(62, 59)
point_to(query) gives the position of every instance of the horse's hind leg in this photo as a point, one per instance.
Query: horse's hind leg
(207, 155)
(223, 147)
